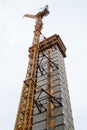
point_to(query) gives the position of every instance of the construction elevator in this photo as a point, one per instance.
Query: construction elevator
(45, 102)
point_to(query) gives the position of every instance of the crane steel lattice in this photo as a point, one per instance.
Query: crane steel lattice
(25, 111)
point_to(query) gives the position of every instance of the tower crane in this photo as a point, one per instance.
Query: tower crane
(25, 111)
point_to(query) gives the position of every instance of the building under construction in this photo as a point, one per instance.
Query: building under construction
(45, 102)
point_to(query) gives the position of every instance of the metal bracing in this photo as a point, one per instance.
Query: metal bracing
(42, 69)
(50, 62)
(54, 100)
(39, 106)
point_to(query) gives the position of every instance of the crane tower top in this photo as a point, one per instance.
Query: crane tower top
(39, 24)
(40, 14)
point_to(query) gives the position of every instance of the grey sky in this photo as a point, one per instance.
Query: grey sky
(69, 20)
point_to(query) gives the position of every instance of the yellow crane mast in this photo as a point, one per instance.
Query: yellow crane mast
(25, 110)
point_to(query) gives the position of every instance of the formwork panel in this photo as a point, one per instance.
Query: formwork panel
(39, 126)
(59, 120)
(39, 117)
(60, 127)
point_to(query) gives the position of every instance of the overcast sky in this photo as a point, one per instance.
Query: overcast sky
(68, 18)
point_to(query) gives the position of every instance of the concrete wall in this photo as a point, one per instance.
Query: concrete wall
(62, 114)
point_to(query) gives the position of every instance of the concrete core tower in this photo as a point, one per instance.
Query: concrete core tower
(53, 109)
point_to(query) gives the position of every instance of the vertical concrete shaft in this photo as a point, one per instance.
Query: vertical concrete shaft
(51, 76)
